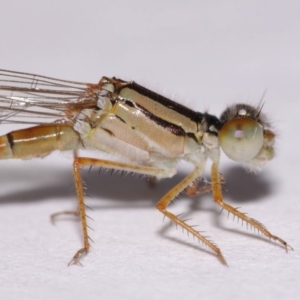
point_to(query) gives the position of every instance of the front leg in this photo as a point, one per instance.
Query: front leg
(217, 195)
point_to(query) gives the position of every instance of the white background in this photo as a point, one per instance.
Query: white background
(205, 54)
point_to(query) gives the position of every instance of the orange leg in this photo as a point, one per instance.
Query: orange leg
(81, 212)
(217, 194)
(86, 161)
(166, 199)
(65, 212)
(195, 190)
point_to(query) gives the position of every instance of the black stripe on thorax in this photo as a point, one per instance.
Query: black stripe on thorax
(10, 140)
(173, 128)
(189, 113)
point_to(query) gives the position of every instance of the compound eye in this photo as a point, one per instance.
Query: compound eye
(241, 139)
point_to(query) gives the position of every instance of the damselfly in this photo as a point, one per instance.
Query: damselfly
(146, 130)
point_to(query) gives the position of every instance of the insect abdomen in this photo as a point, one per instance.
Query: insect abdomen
(38, 141)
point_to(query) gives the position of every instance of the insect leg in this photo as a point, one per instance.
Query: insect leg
(167, 198)
(65, 212)
(86, 161)
(217, 194)
(81, 212)
(195, 190)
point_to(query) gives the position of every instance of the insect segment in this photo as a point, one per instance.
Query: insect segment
(148, 131)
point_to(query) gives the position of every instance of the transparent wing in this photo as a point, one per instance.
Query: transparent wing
(34, 99)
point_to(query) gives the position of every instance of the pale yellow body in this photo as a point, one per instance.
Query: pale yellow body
(148, 131)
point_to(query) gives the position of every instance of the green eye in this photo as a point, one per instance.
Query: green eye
(241, 139)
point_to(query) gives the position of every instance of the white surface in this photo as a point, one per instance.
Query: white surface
(206, 54)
